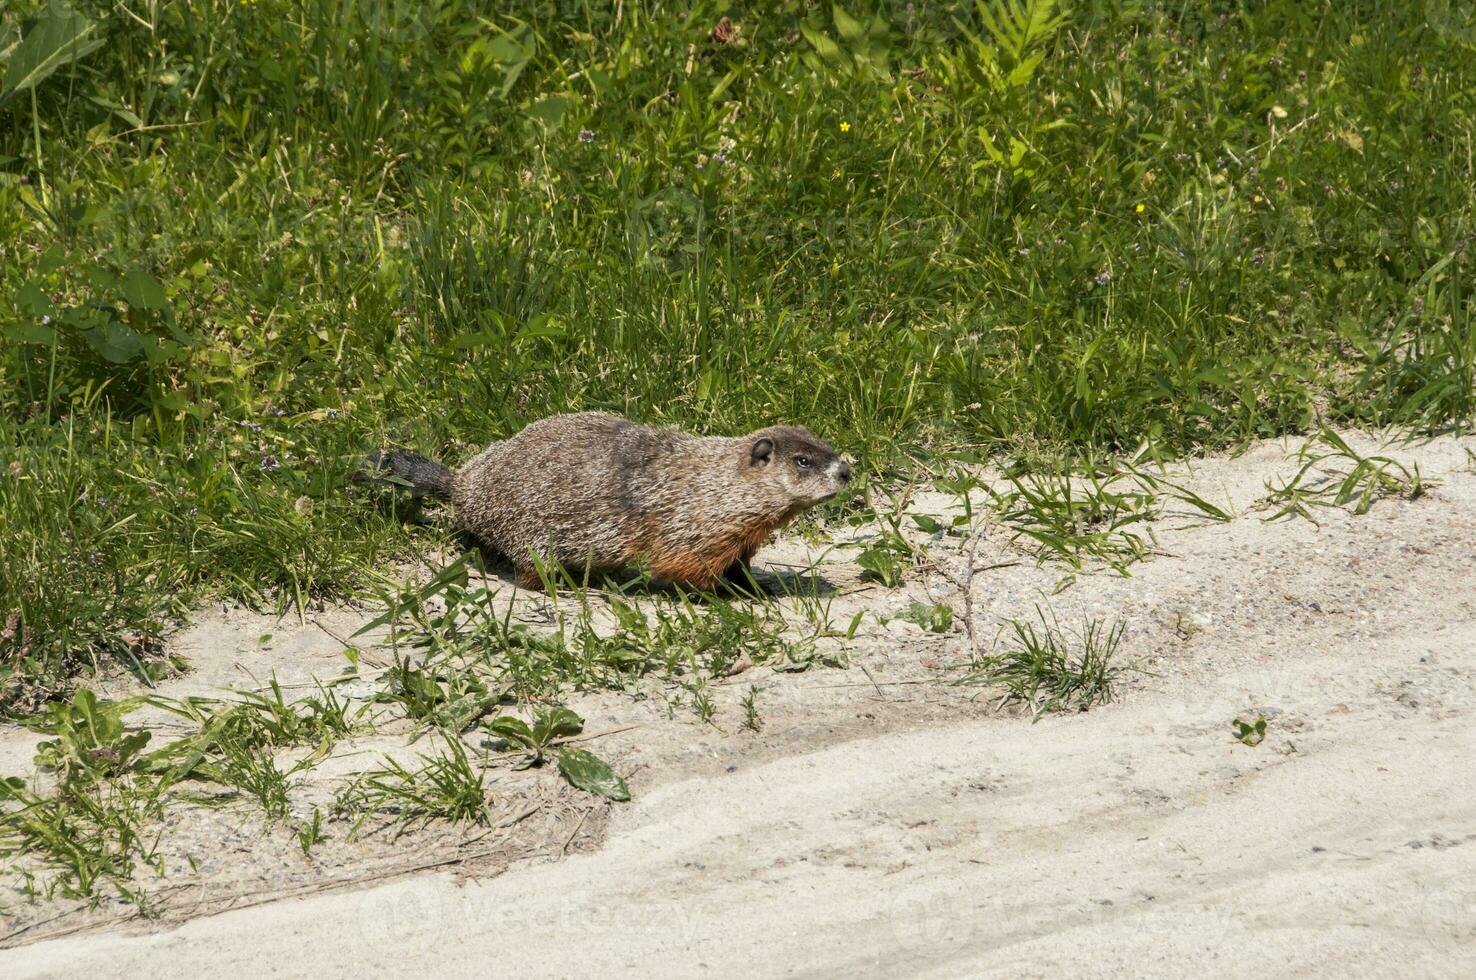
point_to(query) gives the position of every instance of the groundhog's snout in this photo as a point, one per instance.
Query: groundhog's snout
(839, 472)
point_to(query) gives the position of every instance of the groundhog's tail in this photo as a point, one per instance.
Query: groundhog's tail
(422, 477)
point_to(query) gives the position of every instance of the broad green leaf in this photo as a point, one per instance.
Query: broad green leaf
(460, 713)
(115, 342)
(144, 292)
(849, 27)
(542, 326)
(513, 730)
(122, 112)
(513, 52)
(33, 300)
(131, 745)
(59, 37)
(935, 618)
(558, 723)
(505, 50)
(827, 49)
(592, 774)
(549, 110)
(928, 524)
(30, 333)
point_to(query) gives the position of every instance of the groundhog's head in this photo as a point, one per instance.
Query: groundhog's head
(807, 469)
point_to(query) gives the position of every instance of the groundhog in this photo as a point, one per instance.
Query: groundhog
(599, 492)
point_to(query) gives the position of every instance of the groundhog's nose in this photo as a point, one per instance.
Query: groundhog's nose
(844, 472)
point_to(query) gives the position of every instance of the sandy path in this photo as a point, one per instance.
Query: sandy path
(1137, 839)
(1104, 844)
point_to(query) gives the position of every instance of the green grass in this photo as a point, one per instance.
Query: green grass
(243, 242)
(447, 787)
(1094, 513)
(1334, 474)
(457, 653)
(1044, 670)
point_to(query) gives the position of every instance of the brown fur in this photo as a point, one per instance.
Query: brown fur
(598, 491)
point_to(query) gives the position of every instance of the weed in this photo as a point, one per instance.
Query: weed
(444, 696)
(935, 618)
(550, 724)
(1074, 517)
(580, 767)
(888, 557)
(1250, 733)
(1100, 512)
(81, 837)
(592, 774)
(751, 718)
(1333, 474)
(468, 645)
(91, 742)
(309, 833)
(445, 787)
(260, 720)
(1045, 671)
(251, 771)
(702, 702)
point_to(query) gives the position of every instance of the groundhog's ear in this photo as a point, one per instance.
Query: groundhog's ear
(762, 450)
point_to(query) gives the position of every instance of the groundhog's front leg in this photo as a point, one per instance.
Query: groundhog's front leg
(738, 573)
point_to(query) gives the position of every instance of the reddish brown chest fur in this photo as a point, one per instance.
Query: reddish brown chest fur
(702, 569)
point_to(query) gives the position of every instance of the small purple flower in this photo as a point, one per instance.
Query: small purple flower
(332, 414)
(270, 463)
(586, 136)
(1103, 278)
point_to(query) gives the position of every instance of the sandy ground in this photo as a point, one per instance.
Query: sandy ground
(886, 822)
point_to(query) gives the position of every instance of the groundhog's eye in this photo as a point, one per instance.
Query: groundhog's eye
(803, 462)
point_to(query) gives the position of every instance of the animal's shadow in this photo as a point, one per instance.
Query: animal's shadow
(759, 583)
